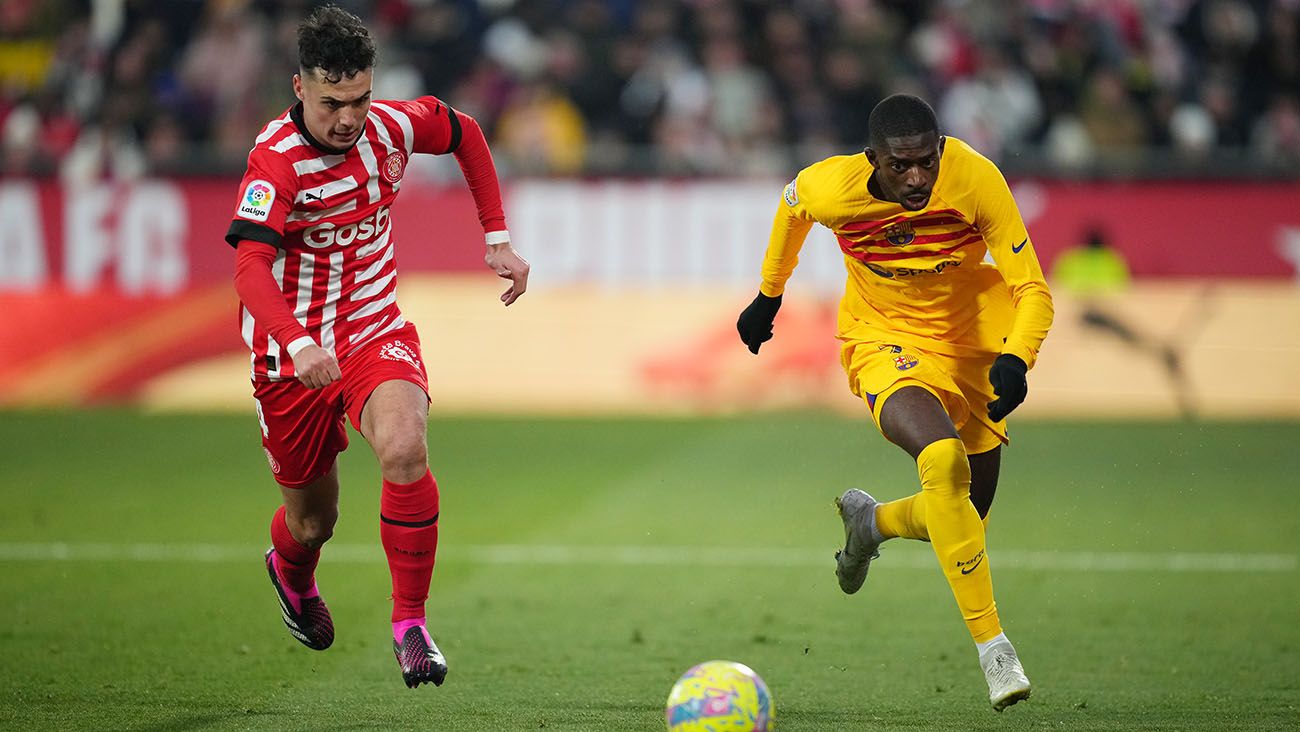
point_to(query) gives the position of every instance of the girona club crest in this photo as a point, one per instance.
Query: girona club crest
(399, 351)
(393, 167)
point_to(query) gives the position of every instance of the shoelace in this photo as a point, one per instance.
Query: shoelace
(1005, 669)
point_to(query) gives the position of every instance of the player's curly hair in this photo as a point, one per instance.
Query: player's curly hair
(900, 115)
(335, 41)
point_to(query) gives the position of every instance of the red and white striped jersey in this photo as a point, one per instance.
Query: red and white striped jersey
(328, 214)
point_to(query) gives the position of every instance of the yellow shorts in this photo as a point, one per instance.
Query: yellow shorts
(877, 369)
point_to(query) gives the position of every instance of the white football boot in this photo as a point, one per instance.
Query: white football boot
(858, 511)
(1007, 681)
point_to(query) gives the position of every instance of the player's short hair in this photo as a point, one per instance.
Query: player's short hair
(900, 115)
(336, 42)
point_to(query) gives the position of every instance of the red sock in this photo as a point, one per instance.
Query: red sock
(297, 567)
(408, 527)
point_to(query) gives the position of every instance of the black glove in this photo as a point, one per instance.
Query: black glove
(755, 323)
(1007, 375)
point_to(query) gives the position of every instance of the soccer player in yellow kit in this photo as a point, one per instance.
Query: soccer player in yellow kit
(936, 341)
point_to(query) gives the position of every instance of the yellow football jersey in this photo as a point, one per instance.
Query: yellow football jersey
(919, 277)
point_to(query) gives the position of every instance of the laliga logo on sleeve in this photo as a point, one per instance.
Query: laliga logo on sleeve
(257, 200)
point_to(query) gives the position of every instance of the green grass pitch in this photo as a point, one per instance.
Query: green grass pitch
(1148, 577)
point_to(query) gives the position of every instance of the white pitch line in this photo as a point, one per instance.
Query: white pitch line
(662, 556)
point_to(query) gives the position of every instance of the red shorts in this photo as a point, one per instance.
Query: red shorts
(303, 430)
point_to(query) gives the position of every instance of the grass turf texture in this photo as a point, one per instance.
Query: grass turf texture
(596, 645)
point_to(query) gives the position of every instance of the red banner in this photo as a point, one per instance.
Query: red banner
(164, 237)
(1173, 229)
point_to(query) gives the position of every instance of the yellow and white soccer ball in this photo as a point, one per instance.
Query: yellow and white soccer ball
(720, 696)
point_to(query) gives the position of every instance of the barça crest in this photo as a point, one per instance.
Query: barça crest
(900, 233)
(905, 361)
(394, 166)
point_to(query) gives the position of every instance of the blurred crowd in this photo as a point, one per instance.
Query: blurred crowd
(94, 88)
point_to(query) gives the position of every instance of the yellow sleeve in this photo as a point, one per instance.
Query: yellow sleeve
(1008, 241)
(789, 229)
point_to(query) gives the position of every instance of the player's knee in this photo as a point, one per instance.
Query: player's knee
(944, 469)
(315, 529)
(404, 457)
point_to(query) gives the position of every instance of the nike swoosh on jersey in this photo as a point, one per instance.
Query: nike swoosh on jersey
(1015, 248)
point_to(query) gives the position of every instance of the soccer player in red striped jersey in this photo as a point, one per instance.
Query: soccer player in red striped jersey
(317, 281)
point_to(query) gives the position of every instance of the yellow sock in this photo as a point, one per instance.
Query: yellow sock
(957, 534)
(903, 519)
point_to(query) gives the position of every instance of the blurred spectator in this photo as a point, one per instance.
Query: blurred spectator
(678, 86)
(107, 148)
(1092, 268)
(1111, 115)
(994, 106)
(220, 70)
(1096, 273)
(1276, 135)
(542, 132)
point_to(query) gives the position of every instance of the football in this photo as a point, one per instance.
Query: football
(720, 696)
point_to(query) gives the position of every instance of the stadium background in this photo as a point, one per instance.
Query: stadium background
(642, 148)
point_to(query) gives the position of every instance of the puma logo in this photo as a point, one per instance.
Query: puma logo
(312, 196)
